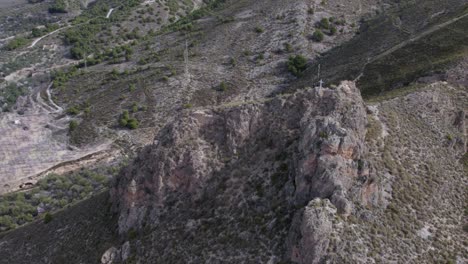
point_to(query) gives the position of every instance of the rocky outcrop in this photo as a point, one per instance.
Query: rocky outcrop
(311, 231)
(315, 135)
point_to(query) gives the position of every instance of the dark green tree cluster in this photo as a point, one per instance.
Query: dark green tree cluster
(62, 77)
(16, 43)
(327, 25)
(126, 121)
(186, 23)
(38, 32)
(51, 193)
(10, 94)
(297, 65)
(59, 6)
(318, 35)
(72, 126)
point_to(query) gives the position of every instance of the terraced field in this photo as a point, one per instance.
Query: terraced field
(35, 142)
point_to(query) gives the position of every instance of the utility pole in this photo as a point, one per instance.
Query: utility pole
(186, 58)
(318, 77)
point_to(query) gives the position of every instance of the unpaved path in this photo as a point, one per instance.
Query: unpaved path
(417, 37)
(109, 13)
(46, 35)
(410, 40)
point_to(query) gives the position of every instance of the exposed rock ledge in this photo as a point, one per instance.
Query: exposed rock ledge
(317, 134)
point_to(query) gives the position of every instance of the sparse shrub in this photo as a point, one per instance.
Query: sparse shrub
(259, 29)
(135, 107)
(333, 30)
(232, 62)
(288, 47)
(16, 43)
(223, 86)
(59, 6)
(227, 19)
(464, 161)
(132, 234)
(318, 35)
(73, 110)
(6, 222)
(323, 135)
(324, 23)
(36, 32)
(133, 123)
(47, 218)
(54, 192)
(124, 117)
(341, 22)
(72, 126)
(297, 65)
(449, 137)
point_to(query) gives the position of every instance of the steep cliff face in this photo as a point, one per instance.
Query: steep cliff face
(252, 169)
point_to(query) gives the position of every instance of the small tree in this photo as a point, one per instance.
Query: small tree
(324, 23)
(72, 126)
(58, 7)
(297, 65)
(133, 123)
(73, 110)
(36, 32)
(223, 86)
(318, 35)
(47, 218)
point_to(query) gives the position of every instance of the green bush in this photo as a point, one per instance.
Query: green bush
(323, 135)
(36, 32)
(126, 121)
(288, 47)
(133, 123)
(223, 86)
(297, 65)
(259, 29)
(47, 218)
(318, 35)
(73, 110)
(135, 108)
(72, 126)
(10, 95)
(54, 192)
(132, 234)
(59, 6)
(324, 23)
(6, 222)
(16, 43)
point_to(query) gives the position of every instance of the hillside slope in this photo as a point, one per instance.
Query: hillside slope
(243, 156)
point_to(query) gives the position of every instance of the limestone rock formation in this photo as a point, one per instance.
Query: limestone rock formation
(317, 134)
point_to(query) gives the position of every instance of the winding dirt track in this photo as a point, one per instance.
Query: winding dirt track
(417, 37)
(408, 41)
